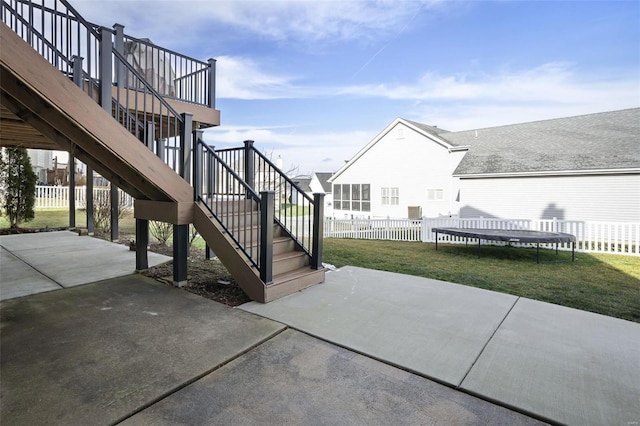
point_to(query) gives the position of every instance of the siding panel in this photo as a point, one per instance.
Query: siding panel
(599, 198)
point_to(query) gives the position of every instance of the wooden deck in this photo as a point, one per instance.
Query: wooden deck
(55, 109)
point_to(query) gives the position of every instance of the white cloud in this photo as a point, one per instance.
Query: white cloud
(557, 82)
(548, 82)
(308, 152)
(242, 78)
(292, 20)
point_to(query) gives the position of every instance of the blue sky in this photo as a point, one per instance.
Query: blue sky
(314, 81)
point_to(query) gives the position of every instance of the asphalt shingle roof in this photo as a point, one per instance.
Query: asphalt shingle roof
(323, 178)
(603, 141)
(302, 182)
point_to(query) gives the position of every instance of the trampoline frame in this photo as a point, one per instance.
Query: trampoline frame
(511, 236)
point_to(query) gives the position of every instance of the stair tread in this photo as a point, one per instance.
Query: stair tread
(306, 270)
(289, 255)
(276, 240)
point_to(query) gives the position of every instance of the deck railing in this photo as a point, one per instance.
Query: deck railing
(171, 73)
(591, 236)
(58, 33)
(78, 49)
(245, 215)
(299, 214)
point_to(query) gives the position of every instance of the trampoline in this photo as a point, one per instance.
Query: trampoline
(511, 236)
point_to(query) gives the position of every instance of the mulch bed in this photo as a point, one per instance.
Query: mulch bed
(205, 277)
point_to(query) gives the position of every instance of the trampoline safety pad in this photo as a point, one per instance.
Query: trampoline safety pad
(511, 236)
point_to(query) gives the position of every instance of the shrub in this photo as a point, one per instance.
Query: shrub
(161, 231)
(17, 185)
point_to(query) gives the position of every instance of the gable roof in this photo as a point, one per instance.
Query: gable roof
(608, 141)
(302, 182)
(432, 133)
(323, 178)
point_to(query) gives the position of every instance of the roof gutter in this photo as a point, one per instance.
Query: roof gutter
(548, 173)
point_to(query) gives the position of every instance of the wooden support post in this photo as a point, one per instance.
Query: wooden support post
(142, 242)
(72, 190)
(318, 231)
(180, 254)
(78, 81)
(89, 198)
(266, 236)
(115, 207)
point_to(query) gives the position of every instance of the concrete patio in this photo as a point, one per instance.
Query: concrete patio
(365, 347)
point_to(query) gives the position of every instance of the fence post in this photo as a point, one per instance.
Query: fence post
(424, 229)
(267, 204)
(318, 230)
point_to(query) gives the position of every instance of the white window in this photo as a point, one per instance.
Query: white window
(352, 197)
(390, 196)
(435, 194)
(337, 197)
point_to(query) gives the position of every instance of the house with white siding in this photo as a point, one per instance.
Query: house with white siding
(579, 168)
(320, 185)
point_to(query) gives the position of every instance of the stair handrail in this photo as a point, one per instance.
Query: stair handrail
(262, 174)
(210, 174)
(85, 41)
(32, 30)
(306, 230)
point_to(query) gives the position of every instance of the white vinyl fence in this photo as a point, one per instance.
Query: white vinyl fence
(597, 237)
(54, 197)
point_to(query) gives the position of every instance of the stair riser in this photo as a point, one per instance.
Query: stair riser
(248, 236)
(279, 290)
(250, 219)
(286, 265)
(283, 247)
(253, 234)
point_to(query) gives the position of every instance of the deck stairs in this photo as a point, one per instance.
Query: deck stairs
(264, 229)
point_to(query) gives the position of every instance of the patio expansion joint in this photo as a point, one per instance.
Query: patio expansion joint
(200, 376)
(487, 343)
(32, 267)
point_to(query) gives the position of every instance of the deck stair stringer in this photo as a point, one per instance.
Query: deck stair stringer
(291, 270)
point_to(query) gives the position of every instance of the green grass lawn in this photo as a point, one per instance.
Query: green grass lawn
(606, 284)
(59, 218)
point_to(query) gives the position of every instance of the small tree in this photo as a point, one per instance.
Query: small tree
(17, 185)
(102, 208)
(161, 231)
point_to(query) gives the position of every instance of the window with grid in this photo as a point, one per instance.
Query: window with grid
(352, 197)
(390, 196)
(337, 197)
(435, 194)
